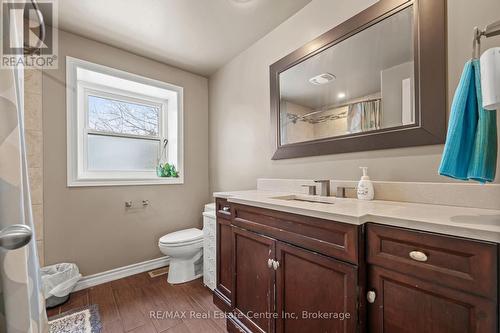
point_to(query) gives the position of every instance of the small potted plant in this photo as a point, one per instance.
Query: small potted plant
(168, 170)
(163, 168)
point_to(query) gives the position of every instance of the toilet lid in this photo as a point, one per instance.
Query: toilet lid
(182, 236)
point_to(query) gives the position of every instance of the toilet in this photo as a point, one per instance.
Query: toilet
(185, 249)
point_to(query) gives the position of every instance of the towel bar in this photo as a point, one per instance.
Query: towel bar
(491, 30)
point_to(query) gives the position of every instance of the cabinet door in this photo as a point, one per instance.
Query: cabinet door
(253, 295)
(224, 263)
(314, 293)
(405, 304)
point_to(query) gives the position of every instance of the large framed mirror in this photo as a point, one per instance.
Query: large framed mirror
(376, 81)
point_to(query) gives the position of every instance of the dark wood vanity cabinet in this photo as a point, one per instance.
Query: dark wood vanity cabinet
(281, 272)
(292, 273)
(407, 304)
(283, 288)
(253, 296)
(423, 282)
(224, 275)
(320, 291)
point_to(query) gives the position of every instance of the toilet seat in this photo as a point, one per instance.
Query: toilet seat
(182, 238)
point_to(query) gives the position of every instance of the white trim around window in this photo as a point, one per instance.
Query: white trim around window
(84, 78)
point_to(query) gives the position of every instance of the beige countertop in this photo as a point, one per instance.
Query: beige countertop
(475, 223)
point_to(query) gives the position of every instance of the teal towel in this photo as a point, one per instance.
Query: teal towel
(470, 151)
(461, 128)
(483, 163)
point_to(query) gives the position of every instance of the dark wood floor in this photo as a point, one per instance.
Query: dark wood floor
(126, 305)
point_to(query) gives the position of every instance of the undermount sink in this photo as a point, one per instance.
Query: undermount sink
(307, 198)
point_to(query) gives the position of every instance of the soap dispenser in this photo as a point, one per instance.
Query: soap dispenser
(365, 186)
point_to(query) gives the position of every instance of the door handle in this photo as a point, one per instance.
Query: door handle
(15, 236)
(270, 263)
(276, 264)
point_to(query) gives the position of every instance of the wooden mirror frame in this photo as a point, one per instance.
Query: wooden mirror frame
(429, 38)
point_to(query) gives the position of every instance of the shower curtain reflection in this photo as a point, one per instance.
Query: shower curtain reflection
(364, 116)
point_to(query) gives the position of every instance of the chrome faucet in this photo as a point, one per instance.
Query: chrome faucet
(311, 189)
(342, 191)
(324, 187)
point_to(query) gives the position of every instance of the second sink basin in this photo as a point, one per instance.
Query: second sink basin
(307, 198)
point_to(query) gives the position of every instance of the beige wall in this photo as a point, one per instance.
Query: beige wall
(90, 226)
(240, 141)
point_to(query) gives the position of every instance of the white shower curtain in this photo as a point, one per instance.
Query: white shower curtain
(22, 308)
(363, 116)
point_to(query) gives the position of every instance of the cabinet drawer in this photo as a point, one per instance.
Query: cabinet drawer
(334, 239)
(223, 208)
(454, 262)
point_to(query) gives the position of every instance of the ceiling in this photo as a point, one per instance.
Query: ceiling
(356, 62)
(196, 35)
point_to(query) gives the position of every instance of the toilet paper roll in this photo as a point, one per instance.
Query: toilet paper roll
(490, 78)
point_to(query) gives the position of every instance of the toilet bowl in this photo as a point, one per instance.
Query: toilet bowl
(185, 249)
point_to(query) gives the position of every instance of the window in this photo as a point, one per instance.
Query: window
(121, 126)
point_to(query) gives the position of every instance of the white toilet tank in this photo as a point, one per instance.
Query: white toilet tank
(209, 243)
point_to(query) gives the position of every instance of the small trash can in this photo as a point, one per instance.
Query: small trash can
(58, 282)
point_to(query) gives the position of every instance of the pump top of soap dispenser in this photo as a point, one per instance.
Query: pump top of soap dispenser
(365, 173)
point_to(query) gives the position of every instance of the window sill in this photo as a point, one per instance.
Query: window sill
(125, 182)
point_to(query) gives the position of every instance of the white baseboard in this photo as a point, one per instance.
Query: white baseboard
(120, 272)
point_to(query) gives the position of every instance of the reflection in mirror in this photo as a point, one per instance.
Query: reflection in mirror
(364, 83)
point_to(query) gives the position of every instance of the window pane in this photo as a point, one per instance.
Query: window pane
(122, 117)
(106, 153)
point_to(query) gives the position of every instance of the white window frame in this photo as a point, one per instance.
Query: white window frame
(77, 92)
